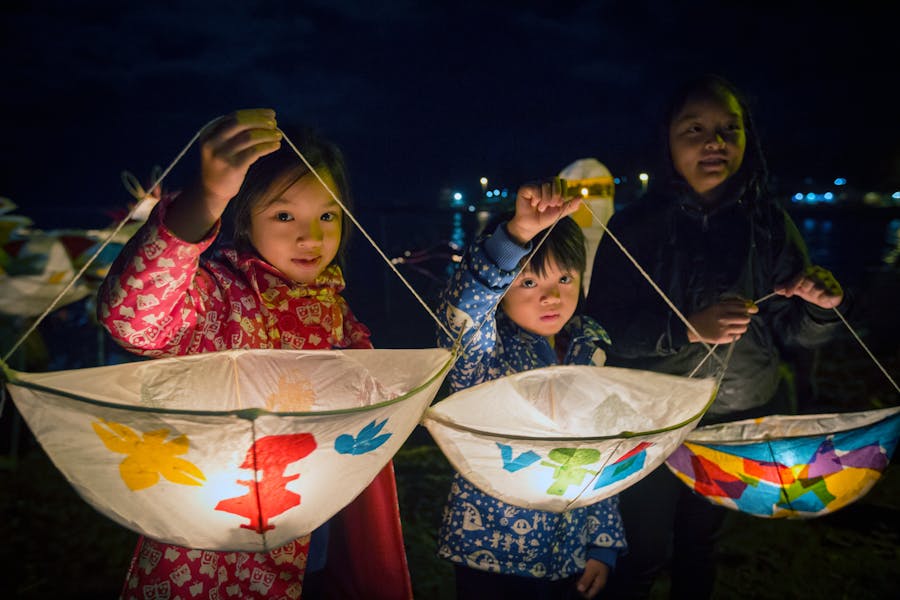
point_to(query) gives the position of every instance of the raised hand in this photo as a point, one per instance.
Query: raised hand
(538, 206)
(227, 150)
(230, 146)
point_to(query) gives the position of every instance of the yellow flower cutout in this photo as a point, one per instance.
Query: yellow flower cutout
(149, 455)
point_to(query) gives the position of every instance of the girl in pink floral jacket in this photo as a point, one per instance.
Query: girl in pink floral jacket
(278, 287)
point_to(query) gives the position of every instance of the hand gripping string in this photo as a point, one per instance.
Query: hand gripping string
(846, 324)
(132, 189)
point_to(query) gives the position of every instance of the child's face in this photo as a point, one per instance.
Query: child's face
(299, 232)
(543, 304)
(707, 142)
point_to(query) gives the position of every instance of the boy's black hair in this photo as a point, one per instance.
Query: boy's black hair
(268, 177)
(753, 174)
(566, 244)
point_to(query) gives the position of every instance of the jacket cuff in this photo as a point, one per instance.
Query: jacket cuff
(501, 249)
(607, 556)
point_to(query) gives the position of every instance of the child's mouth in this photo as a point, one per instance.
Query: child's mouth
(306, 262)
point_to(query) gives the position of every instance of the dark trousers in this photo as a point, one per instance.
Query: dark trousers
(472, 584)
(664, 520)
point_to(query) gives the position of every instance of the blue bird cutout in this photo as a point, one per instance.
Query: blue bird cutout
(367, 440)
(511, 464)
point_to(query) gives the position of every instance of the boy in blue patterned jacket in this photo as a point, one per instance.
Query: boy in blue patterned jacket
(555, 555)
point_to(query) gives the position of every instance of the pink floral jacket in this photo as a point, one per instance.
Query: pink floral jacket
(162, 298)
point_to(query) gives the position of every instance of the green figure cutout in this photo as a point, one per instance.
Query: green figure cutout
(569, 471)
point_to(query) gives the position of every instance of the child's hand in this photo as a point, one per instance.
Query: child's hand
(538, 205)
(229, 148)
(815, 285)
(593, 579)
(723, 322)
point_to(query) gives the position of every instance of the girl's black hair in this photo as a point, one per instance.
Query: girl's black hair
(271, 175)
(753, 175)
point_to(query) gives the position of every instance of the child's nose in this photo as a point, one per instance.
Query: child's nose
(716, 140)
(310, 232)
(551, 295)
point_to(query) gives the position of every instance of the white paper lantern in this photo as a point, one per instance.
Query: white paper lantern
(237, 450)
(562, 437)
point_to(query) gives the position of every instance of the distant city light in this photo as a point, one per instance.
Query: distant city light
(457, 196)
(496, 192)
(471, 208)
(644, 177)
(584, 192)
(829, 196)
(810, 196)
(504, 193)
(840, 181)
(484, 181)
(896, 195)
(490, 194)
(617, 181)
(798, 196)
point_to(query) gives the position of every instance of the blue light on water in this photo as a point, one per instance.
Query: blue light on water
(496, 192)
(840, 181)
(810, 197)
(896, 195)
(829, 196)
(457, 196)
(798, 197)
(490, 194)
(504, 193)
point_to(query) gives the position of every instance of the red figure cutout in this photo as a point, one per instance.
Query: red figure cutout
(267, 496)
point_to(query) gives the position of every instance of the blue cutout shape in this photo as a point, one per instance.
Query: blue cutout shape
(526, 459)
(367, 440)
(619, 471)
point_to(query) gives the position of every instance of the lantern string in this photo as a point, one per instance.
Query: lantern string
(135, 189)
(109, 238)
(368, 237)
(520, 270)
(653, 284)
(711, 349)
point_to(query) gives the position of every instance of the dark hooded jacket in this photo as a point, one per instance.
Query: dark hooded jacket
(698, 255)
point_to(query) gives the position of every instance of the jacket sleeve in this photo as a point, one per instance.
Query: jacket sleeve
(609, 541)
(794, 321)
(155, 290)
(639, 322)
(469, 303)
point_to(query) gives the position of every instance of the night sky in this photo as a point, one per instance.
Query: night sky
(425, 96)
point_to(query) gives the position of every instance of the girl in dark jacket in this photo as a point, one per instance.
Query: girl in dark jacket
(714, 241)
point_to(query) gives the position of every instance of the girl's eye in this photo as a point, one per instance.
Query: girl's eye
(529, 283)
(329, 216)
(283, 216)
(566, 279)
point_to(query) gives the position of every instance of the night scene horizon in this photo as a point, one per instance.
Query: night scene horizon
(426, 100)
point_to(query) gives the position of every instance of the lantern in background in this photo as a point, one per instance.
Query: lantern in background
(789, 466)
(237, 450)
(590, 180)
(562, 437)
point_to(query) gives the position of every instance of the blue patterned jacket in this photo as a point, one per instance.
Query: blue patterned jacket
(478, 530)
